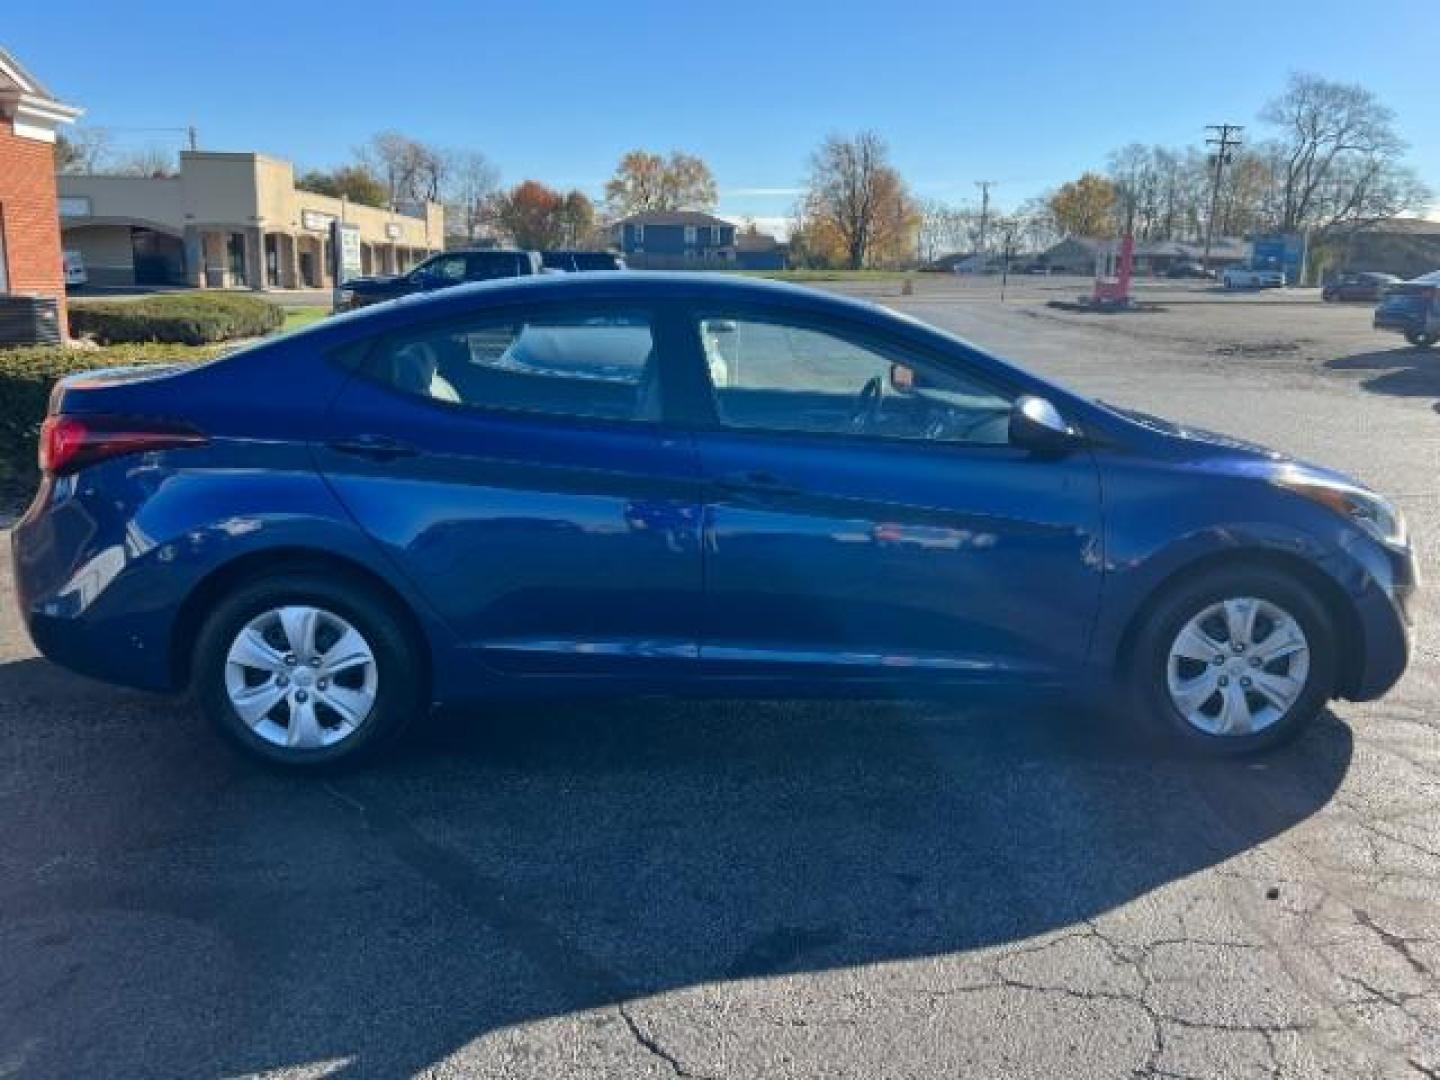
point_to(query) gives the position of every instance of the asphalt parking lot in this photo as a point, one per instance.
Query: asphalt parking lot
(661, 889)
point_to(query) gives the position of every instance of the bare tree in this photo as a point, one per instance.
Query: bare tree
(151, 160)
(83, 149)
(412, 171)
(471, 182)
(944, 229)
(1337, 157)
(857, 196)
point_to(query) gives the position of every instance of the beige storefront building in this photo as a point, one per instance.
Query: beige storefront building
(230, 220)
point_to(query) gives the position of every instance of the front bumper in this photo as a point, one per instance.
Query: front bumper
(1399, 323)
(1384, 611)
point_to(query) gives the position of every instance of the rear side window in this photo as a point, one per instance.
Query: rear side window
(583, 363)
(501, 264)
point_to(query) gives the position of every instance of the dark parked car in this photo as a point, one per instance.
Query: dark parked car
(1367, 286)
(642, 483)
(574, 262)
(1412, 308)
(1189, 268)
(442, 271)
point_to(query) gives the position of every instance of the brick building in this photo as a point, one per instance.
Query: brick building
(30, 254)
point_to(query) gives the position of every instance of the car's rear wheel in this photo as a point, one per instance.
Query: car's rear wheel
(1235, 661)
(1420, 339)
(303, 669)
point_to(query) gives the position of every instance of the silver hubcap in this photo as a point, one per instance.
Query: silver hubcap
(301, 677)
(1238, 666)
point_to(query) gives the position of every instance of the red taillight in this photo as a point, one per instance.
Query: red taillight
(68, 443)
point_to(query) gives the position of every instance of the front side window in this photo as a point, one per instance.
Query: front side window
(779, 376)
(578, 363)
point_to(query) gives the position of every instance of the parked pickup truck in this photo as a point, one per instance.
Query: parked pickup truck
(439, 272)
(1412, 308)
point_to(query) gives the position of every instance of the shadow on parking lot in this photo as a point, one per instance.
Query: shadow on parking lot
(1407, 372)
(167, 907)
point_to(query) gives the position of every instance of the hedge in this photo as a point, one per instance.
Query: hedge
(26, 378)
(197, 318)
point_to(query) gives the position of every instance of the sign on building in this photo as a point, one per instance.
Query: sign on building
(345, 242)
(393, 230)
(316, 220)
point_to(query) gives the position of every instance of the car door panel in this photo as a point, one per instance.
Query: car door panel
(884, 533)
(565, 545)
(892, 561)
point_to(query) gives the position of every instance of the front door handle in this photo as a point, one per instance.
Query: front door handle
(374, 447)
(755, 482)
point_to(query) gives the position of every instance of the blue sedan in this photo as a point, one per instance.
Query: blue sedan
(637, 483)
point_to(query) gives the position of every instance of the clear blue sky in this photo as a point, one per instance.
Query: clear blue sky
(1024, 93)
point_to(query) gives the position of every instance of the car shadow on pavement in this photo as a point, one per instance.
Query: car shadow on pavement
(167, 907)
(1406, 372)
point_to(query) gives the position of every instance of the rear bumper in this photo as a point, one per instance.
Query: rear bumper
(81, 601)
(101, 652)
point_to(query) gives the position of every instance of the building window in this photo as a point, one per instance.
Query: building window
(690, 234)
(719, 233)
(637, 233)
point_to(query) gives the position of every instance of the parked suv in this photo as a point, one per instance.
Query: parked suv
(440, 272)
(573, 262)
(1412, 308)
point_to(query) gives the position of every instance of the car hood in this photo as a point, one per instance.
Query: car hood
(1198, 437)
(1201, 443)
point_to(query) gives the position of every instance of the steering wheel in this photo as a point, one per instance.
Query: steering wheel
(867, 405)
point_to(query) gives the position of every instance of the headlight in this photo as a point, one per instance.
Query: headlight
(1375, 514)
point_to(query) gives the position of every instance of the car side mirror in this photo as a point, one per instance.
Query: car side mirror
(1036, 425)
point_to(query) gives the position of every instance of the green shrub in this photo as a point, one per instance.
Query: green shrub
(26, 378)
(196, 318)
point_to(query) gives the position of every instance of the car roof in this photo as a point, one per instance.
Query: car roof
(635, 285)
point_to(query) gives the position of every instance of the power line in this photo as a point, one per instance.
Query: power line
(1223, 145)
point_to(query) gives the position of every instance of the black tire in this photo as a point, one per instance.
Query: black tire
(1420, 339)
(1149, 697)
(400, 690)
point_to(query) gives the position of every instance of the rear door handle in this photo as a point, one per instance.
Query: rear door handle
(374, 447)
(755, 483)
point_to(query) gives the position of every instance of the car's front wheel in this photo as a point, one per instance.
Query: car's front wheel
(1234, 661)
(1420, 339)
(305, 669)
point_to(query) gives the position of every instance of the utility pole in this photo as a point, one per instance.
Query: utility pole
(984, 186)
(1228, 139)
(194, 136)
